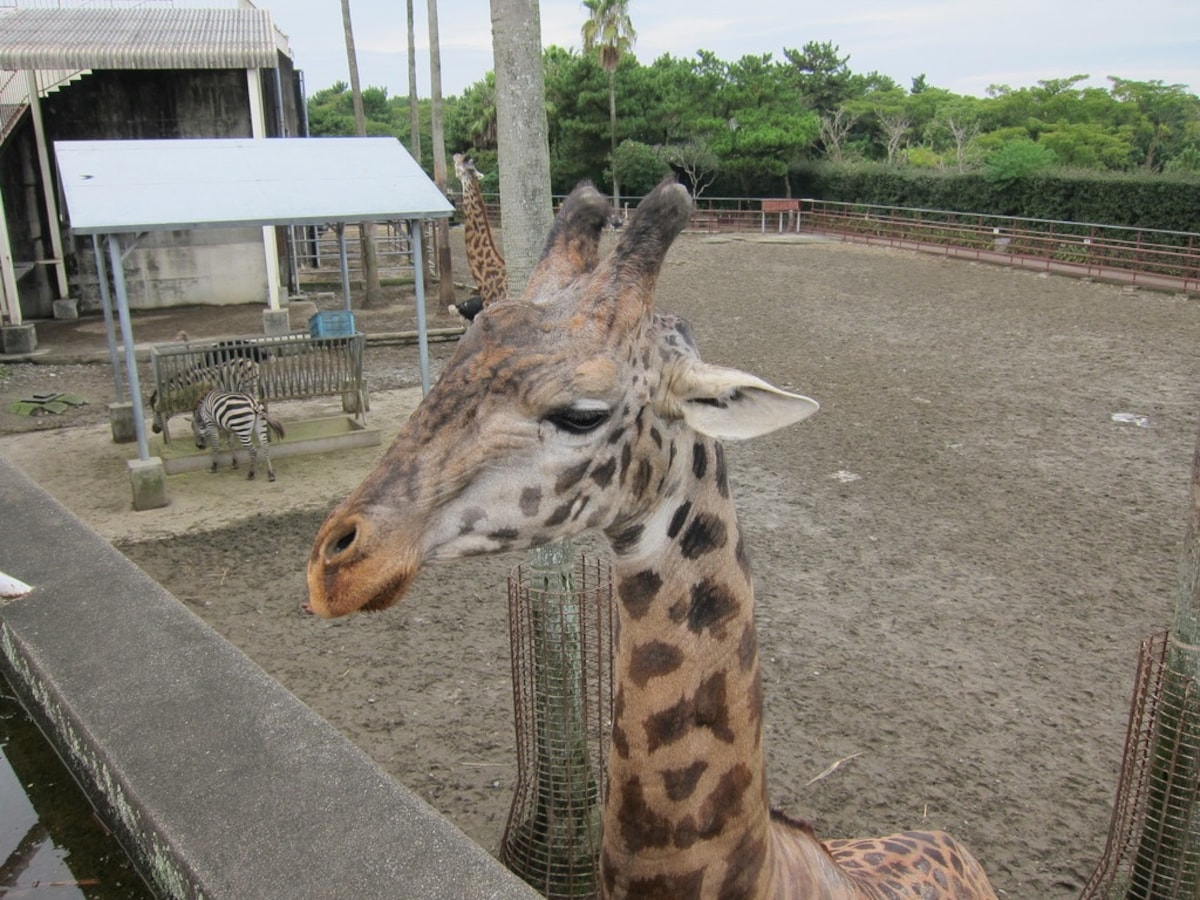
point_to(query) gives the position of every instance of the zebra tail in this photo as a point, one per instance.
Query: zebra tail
(274, 425)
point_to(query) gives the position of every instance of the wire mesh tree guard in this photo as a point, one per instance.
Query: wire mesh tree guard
(561, 626)
(1153, 848)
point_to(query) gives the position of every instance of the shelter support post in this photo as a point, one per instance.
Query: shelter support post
(147, 476)
(43, 157)
(344, 262)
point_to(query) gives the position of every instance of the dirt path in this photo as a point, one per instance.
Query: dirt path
(955, 559)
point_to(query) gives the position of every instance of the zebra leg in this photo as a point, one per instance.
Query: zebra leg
(264, 441)
(248, 443)
(214, 442)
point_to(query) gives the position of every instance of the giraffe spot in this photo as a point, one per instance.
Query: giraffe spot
(678, 519)
(641, 481)
(504, 535)
(748, 647)
(471, 518)
(641, 827)
(560, 514)
(639, 591)
(705, 534)
(685, 886)
(745, 862)
(653, 659)
(699, 460)
(711, 708)
(571, 476)
(626, 459)
(721, 473)
(668, 725)
(620, 741)
(625, 540)
(936, 855)
(681, 783)
(656, 436)
(742, 556)
(602, 475)
(711, 604)
(531, 499)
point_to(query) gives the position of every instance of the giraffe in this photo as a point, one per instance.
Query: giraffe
(578, 407)
(487, 265)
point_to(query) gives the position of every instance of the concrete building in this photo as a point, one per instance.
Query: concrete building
(138, 73)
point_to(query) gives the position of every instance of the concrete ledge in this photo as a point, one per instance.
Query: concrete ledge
(219, 782)
(320, 435)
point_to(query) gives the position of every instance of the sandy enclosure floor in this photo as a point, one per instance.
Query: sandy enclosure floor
(955, 559)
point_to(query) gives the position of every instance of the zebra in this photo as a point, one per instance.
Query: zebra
(236, 374)
(235, 413)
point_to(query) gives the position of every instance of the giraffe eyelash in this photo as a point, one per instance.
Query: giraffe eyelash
(579, 419)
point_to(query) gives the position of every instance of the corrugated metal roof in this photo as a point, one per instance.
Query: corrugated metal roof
(136, 39)
(130, 186)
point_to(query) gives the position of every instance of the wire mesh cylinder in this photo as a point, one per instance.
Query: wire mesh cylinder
(560, 621)
(1153, 847)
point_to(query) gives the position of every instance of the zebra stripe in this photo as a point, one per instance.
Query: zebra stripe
(239, 374)
(235, 413)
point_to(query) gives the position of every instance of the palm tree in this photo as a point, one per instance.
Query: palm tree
(372, 292)
(522, 136)
(609, 31)
(414, 109)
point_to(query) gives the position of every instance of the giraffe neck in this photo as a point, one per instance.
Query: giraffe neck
(483, 258)
(687, 799)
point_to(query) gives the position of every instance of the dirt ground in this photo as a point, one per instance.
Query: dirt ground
(956, 558)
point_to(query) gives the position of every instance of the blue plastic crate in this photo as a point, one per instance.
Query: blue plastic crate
(331, 324)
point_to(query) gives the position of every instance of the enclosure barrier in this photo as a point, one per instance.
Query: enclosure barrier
(218, 782)
(1148, 257)
(290, 367)
(561, 627)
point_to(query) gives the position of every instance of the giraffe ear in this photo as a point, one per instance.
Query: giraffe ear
(732, 405)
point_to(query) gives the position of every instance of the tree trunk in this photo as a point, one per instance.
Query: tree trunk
(612, 137)
(444, 266)
(372, 293)
(522, 136)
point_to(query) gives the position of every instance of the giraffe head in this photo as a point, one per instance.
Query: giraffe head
(554, 416)
(464, 168)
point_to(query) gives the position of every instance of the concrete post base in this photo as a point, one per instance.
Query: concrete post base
(120, 417)
(149, 481)
(17, 339)
(66, 309)
(276, 322)
(301, 311)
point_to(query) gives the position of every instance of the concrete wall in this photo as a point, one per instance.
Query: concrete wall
(218, 782)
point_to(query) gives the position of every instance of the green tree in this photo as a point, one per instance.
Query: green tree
(821, 75)
(1170, 116)
(1018, 158)
(608, 32)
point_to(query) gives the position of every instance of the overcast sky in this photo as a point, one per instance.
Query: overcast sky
(960, 46)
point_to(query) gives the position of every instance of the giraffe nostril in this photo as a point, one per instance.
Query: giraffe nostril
(343, 543)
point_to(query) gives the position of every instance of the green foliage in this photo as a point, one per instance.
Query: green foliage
(752, 127)
(1017, 158)
(639, 166)
(1168, 202)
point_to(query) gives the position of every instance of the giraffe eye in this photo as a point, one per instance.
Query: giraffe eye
(578, 420)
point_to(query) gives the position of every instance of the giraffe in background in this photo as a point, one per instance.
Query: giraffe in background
(578, 407)
(486, 263)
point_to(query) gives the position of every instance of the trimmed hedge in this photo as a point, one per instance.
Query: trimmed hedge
(1170, 203)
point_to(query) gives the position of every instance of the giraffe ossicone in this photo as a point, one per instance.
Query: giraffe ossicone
(578, 407)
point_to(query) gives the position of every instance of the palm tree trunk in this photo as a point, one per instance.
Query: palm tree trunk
(612, 133)
(372, 293)
(445, 274)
